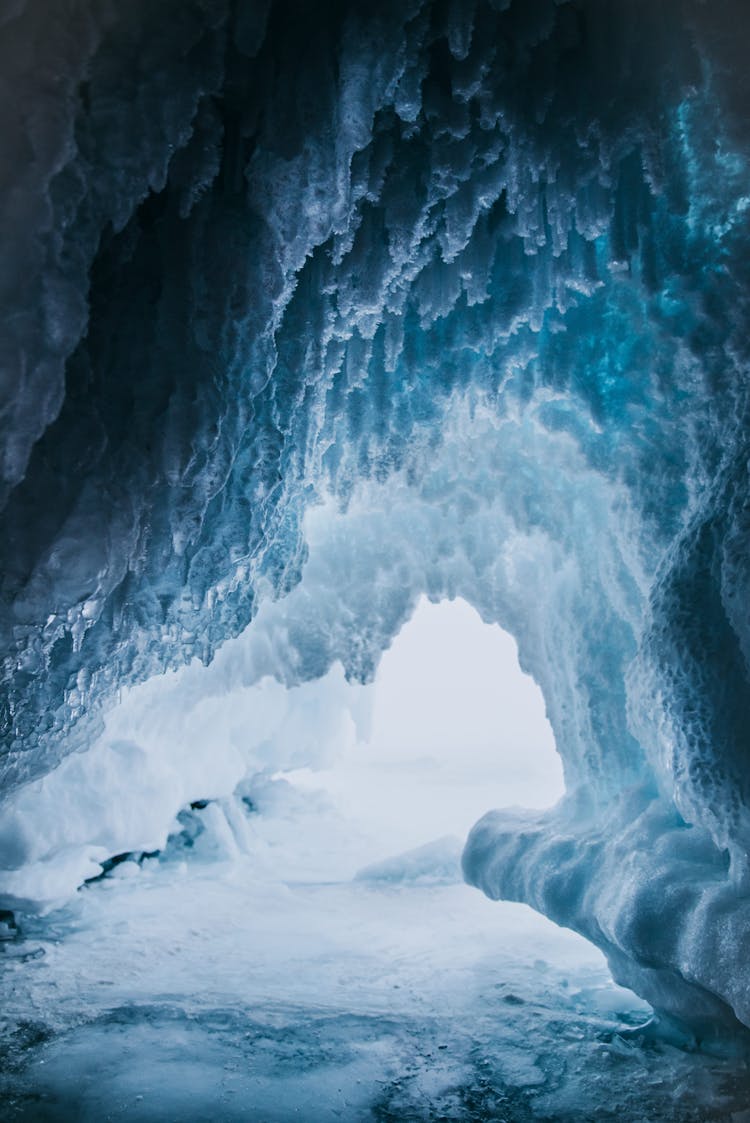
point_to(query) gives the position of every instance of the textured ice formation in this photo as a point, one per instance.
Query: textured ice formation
(476, 274)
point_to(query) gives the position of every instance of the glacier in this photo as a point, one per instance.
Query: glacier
(311, 310)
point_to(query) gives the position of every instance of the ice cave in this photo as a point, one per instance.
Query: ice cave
(374, 542)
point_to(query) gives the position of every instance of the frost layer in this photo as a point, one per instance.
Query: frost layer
(478, 271)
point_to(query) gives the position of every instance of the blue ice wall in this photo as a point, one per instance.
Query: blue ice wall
(256, 254)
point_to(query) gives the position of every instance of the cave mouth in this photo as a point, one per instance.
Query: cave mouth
(205, 762)
(453, 729)
(306, 942)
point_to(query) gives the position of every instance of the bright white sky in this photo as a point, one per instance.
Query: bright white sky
(457, 730)
(451, 687)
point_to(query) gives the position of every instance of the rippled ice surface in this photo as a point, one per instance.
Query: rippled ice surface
(195, 991)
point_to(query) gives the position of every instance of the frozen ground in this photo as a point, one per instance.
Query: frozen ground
(228, 981)
(250, 974)
(197, 992)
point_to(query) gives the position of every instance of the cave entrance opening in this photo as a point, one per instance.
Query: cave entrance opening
(455, 729)
(271, 973)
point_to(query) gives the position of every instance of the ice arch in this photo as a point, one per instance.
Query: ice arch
(474, 276)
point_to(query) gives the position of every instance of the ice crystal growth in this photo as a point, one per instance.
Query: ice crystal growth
(309, 309)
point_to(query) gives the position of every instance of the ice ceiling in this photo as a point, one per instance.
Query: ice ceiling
(465, 284)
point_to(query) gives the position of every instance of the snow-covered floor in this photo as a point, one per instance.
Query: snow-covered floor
(249, 974)
(198, 989)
